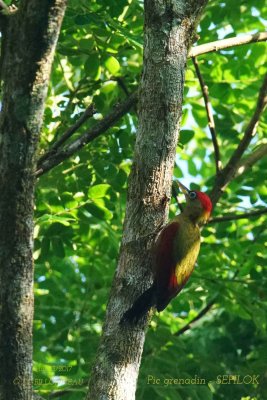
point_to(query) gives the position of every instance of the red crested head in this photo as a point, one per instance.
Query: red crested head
(198, 205)
(205, 201)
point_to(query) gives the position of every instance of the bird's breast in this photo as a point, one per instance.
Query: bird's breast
(185, 251)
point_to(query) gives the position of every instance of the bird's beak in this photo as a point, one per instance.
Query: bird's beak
(183, 188)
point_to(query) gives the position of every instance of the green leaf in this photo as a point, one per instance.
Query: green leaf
(58, 247)
(99, 212)
(185, 136)
(92, 66)
(98, 191)
(50, 219)
(83, 19)
(113, 65)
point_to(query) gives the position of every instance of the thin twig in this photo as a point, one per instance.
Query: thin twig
(251, 159)
(228, 280)
(251, 128)
(48, 163)
(88, 113)
(122, 85)
(3, 6)
(201, 314)
(234, 217)
(211, 123)
(229, 171)
(227, 43)
(88, 136)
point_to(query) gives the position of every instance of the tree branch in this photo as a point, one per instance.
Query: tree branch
(211, 123)
(227, 43)
(50, 160)
(251, 159)
(122, 85)
(3, 7)
(201, 314)
(229, 171)
(88, 136)
(251, 128)
(239, 216)
(7, 10)
(88, 113)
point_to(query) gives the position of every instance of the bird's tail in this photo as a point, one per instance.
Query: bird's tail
(140, 307)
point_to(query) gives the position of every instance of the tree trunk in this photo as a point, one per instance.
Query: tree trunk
(29, 39)
(169, 27)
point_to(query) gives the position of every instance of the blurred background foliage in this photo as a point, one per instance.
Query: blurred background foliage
(80, 209)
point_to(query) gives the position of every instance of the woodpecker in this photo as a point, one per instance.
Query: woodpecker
(174, 255)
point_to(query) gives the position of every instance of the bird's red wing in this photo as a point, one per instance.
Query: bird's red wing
(165, 263)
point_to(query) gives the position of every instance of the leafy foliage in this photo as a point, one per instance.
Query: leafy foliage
(80, 209)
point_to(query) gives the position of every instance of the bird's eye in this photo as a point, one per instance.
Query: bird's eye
(192, 195)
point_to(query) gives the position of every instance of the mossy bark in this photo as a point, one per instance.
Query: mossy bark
(29, 38)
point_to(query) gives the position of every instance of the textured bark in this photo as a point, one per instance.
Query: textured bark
(169, 26)
(30, 36)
